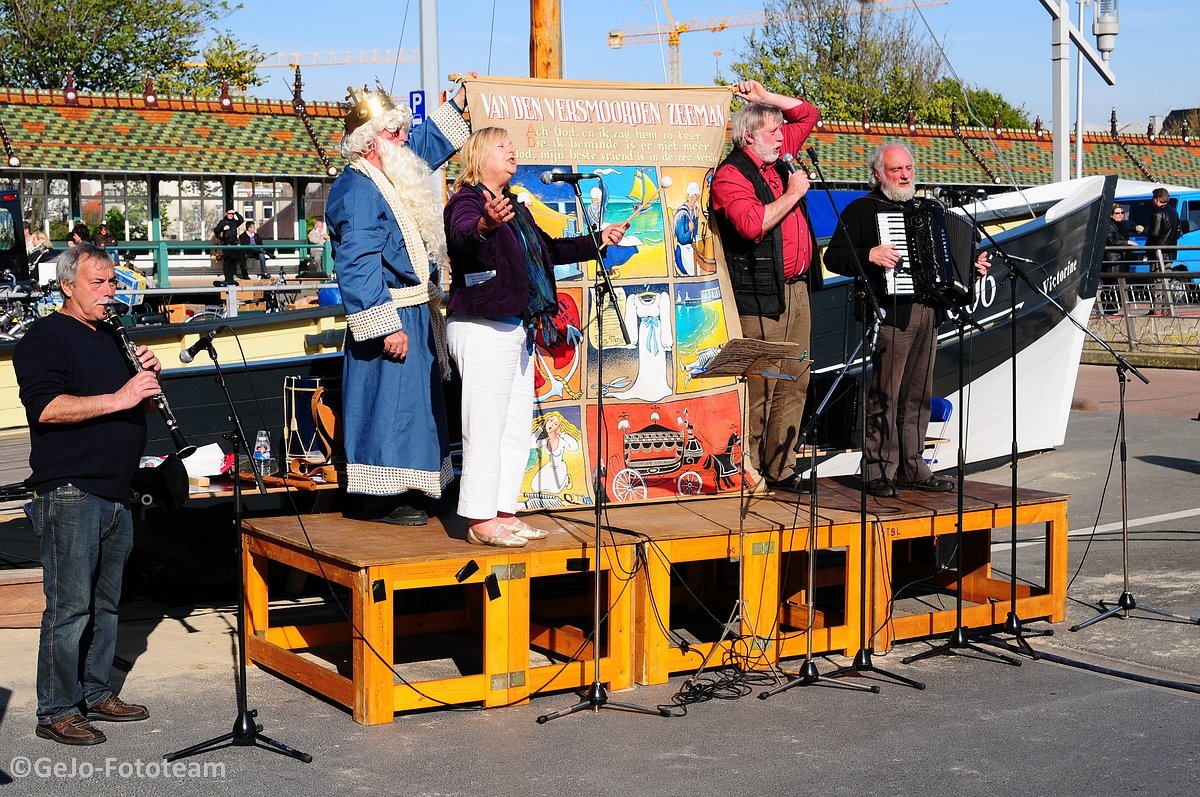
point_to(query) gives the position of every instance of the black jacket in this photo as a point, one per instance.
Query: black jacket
(1163, 231)
(756, 269)
(1116, 236)
(227, 229)
(858, 221)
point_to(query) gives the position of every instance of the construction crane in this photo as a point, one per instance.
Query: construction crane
(338, 58)
(673, 30)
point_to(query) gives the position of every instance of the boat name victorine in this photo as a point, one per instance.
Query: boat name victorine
(1063, 274)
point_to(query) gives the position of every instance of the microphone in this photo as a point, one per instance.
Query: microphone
(567, 177)
(189, 354)
(954, 193)
(789, 162)
(1019, 259)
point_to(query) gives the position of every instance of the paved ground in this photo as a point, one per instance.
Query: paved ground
(980, 728)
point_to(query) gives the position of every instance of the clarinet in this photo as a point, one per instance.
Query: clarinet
(182, 446)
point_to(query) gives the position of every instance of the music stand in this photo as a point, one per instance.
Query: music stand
(743, 358)
(809, 674)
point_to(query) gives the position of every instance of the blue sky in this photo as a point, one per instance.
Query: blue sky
(1001, 45)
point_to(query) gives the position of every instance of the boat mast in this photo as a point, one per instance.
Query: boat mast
(430, 82)
(545, 39)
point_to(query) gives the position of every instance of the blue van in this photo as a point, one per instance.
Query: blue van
(1138, 209)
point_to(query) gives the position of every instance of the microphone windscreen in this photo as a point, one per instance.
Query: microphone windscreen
(547, 177)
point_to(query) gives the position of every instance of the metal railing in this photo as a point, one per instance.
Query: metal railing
(161, 253)
(1154, 301)
(228, 298)
(1145, 281)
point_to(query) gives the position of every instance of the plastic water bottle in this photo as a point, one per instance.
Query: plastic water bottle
(262, 453)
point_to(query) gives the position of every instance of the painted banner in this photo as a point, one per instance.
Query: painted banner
(667, 432)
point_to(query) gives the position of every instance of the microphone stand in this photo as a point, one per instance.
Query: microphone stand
(1126, 602)
(1012, 622)
(872, 319)
(960, 638)
(809, 674)
(247, 732)
(595, 696)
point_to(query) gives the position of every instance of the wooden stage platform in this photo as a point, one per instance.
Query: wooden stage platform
(514, 622)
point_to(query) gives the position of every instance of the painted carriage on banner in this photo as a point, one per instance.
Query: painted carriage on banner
(658, 453)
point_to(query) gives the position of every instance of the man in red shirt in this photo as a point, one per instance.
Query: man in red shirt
(772, 258)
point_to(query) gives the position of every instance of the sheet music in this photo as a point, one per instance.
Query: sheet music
(897, 281)
(751, 357)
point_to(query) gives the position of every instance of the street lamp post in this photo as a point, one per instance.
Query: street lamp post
(1063, 35)
(1105, 28)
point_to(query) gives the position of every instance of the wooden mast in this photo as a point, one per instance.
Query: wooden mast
(545, 39)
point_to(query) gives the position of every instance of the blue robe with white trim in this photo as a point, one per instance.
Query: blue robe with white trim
(393, 413)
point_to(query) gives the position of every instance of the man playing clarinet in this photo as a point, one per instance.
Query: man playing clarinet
(87, 429)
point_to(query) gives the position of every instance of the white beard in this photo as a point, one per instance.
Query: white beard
(898, 193)
(410, 176)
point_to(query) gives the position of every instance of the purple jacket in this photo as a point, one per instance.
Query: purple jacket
(495, 265)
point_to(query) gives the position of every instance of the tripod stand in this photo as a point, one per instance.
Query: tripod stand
(872, 318)
(744, 358)
(1012, 622)
(863, 662)
(1126, 602)
(960, 638)
(809, 674)
(595, 696)
(246, 730)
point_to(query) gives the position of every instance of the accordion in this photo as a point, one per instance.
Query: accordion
(937, 253)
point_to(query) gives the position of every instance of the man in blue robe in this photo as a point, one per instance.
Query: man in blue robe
(385, 226)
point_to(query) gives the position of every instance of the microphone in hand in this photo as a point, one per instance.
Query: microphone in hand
(788, 161)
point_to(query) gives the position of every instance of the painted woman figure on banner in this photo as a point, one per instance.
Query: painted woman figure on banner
(648, 323)
(687, 229)
(550, 445)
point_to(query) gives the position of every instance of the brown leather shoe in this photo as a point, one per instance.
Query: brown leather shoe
(71, 730)
(114, 709)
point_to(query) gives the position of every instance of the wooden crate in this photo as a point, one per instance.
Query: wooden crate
(376, 562)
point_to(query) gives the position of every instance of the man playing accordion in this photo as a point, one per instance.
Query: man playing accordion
(898, 404)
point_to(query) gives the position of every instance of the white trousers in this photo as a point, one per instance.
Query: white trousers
(496, 366)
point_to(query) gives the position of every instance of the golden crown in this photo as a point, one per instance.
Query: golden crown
(366, 105)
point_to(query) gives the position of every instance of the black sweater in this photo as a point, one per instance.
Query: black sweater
(60, 355)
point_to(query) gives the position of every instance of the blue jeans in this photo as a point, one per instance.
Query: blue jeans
(85, 541)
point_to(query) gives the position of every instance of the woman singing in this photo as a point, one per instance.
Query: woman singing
(501, 292)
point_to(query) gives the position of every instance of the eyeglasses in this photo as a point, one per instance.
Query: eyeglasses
(1118, 213)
